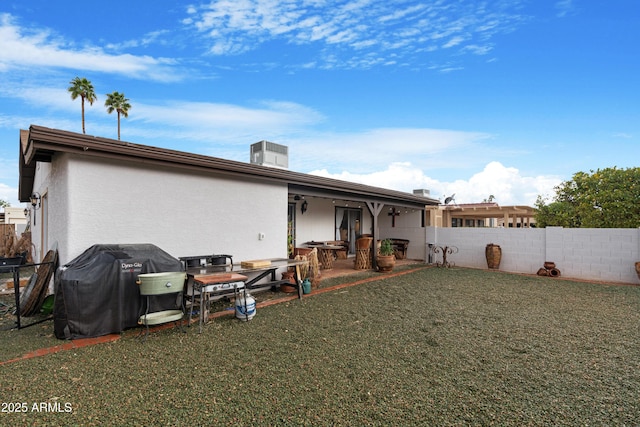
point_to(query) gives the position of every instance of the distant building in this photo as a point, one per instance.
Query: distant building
(482, 215)
(15, 217)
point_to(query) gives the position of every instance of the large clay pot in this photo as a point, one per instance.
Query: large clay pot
(290, 276)
(302, 251)
(386, 262)
(493, 254)
(364, 242)
(638, 269)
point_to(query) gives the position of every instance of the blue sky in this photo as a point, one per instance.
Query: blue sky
(477, 98)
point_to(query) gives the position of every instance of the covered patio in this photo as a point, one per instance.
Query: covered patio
(344, 267)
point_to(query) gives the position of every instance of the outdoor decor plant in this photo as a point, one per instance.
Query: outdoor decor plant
(386, 260)
(386, 248)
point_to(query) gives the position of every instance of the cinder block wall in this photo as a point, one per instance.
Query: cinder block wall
(592, 254)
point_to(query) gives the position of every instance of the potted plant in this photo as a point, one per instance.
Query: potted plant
(386, 257)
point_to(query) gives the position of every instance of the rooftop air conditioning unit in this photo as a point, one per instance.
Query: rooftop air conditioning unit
(422, 192)
(270, 154)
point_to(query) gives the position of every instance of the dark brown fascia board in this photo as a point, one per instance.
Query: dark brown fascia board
(357, 197)
(27, 173)
(44, 142)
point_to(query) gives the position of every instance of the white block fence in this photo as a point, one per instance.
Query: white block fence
(600, 254)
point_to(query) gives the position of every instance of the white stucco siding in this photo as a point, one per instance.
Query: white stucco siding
(319, 222)
(183, 212)
(408, 225)
(50, 218)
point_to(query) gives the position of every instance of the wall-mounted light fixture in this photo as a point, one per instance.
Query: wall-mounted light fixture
(36, 202)
(304, 206)
(35, 199)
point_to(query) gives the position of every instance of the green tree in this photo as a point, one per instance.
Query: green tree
(4, 204)
(81, 87)
(118, 103)
(606, 198)
(561, 214)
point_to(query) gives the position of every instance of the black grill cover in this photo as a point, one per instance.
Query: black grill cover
(96, 293)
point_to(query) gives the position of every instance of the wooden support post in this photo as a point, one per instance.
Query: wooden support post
(375, 208)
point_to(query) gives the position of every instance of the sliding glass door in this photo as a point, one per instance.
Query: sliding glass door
(348, 225)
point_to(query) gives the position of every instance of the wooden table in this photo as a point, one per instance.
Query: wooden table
(209, 284)
(326, 254)
(257, 273)
(235, 277)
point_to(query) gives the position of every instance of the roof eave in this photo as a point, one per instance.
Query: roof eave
(41, 144)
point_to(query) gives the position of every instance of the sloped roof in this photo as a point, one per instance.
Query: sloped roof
(39, 144)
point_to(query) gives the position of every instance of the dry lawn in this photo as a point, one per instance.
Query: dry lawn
(434, 347)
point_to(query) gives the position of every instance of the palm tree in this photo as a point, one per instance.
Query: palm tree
(118, 103)
(81, 87)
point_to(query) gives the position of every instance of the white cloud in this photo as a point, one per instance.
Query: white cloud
(506, 184)
(8, 169)
(477, 49)
(149, 38)
(359, 27)
(23, 49)
(454, 41)
(42, 96)
(401, 13)
(374, 149)
(175, 119)
(187, 116)
(9, 194)
(564, 8)
(623, 135)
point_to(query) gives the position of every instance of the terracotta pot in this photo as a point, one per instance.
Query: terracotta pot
(549, 265)
(302, 251)
(386, 262)
(493, 253)
(288, 275)
(364, 243)
(638, 269)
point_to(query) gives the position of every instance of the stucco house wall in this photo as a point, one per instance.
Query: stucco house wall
(182, 212)
(319, 221)
(316, 223)
(408, 225)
